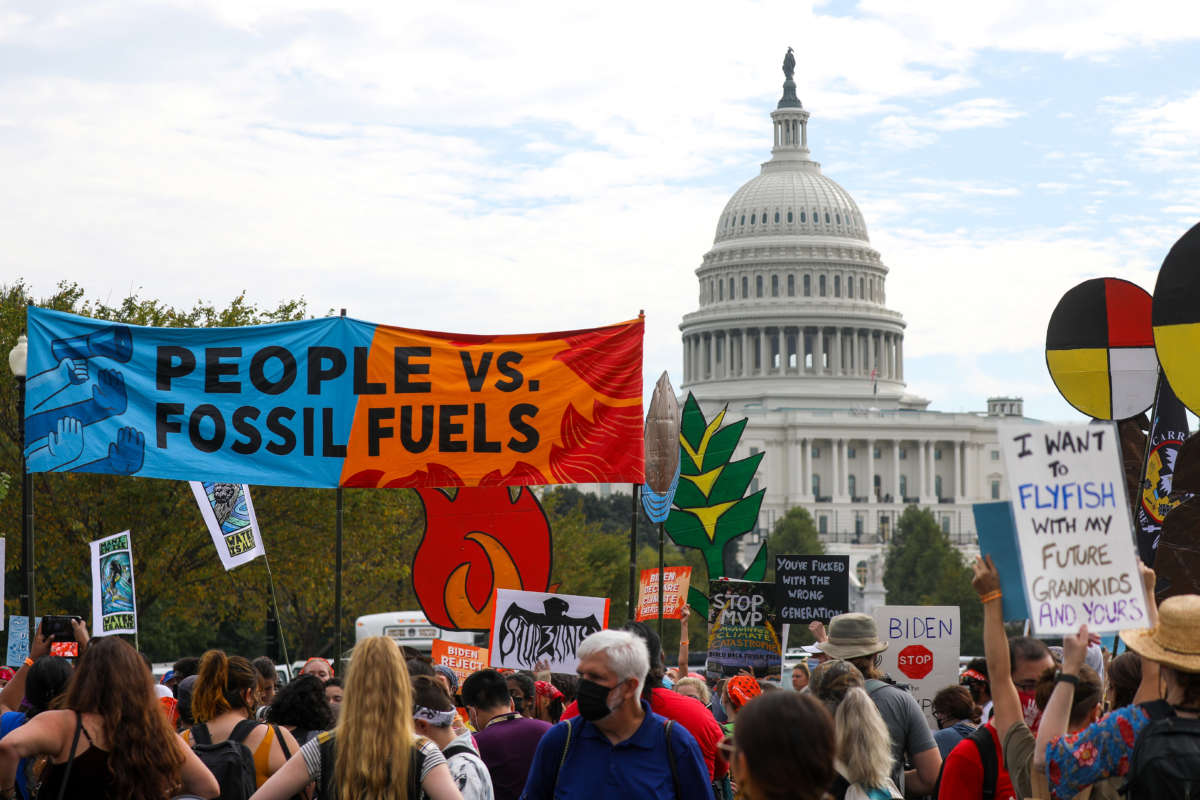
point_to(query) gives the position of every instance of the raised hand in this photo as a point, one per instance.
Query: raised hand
(109, 391)
(127, 453)
(1075, 648)
(76, 370)
(65, 442)
(818, 630)
(986, 578)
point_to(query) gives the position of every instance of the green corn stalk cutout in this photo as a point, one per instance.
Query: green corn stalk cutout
(711, 507)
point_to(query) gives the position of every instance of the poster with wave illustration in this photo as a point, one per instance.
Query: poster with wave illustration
(229, 515)
(114, 609)
(528, 627)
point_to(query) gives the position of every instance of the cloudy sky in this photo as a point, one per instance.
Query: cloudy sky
(484, 168)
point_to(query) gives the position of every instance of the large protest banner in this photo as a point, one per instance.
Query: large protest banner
(743, 630)
(229, 514)
(463, 659)
(528, 627)
(923, 648)
(675, 588)
(811, 588)
(114, 609)
(1074, 529)
(334, 402)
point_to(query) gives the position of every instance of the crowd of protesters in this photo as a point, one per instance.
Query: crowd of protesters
(1025, 721)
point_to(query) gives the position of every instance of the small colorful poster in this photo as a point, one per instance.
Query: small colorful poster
(1074, 529)
(114, 609)
(528, 627)
(462, 658)
(18, 639)
(675, 588)
(229, 514)
(923, 648)
(743, 630)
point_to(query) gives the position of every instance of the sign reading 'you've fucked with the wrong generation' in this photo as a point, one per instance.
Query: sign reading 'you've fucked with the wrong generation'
(1073, 527)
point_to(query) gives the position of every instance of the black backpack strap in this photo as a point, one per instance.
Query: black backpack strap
(563, 758)
(287, 753)
(200, 734)
(457, 750)
(671, 757)
(982, 737)
(242, 730)
(62, 787)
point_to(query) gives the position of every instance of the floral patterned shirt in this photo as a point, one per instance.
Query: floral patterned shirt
(1101, 750)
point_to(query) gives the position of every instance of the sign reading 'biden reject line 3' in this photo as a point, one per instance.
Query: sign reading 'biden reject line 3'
(1073, 527)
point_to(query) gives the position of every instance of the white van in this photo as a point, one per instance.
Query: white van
(407, 628)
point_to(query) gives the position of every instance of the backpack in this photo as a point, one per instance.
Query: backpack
(1166, 757)
(981, 737)
(230, 761)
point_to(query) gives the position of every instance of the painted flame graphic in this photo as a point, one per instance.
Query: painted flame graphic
(477, 542)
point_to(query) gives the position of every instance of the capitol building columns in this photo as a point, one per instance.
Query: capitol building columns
(793, 333)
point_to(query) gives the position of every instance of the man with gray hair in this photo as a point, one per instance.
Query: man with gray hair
(618, 748)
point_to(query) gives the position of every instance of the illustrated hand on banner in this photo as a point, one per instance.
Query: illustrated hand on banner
(334, 402)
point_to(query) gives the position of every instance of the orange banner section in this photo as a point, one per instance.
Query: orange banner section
(447, 410)
(462, 658)
(675, 588)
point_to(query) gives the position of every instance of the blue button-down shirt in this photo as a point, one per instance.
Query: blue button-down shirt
(633, 769)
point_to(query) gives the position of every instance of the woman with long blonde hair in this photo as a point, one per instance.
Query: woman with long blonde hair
(373, 752)
(864, 746)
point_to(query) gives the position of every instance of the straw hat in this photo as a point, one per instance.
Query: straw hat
(853, 636)
(1175, 642)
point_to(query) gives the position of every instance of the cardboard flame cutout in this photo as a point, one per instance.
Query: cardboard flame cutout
(475, 543)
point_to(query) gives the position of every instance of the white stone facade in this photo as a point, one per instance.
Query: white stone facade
(793, 332)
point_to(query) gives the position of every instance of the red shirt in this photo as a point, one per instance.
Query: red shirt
(962, 774)
(691, 714)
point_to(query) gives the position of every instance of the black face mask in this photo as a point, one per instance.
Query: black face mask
(592, 699)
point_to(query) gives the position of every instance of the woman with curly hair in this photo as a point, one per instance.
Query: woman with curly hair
(301, 708)
(373, 752)
(111, 740)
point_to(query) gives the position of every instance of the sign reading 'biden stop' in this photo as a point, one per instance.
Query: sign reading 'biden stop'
(923, 646)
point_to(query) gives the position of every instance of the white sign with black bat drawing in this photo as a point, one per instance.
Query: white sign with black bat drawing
(528, 627)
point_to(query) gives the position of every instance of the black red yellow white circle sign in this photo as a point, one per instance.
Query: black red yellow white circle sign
(1176, 318)
(1100, 348)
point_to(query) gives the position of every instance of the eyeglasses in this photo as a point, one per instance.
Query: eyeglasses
(1026, 686)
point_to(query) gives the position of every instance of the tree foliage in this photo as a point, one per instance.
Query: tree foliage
(794, 533)
(924, 568)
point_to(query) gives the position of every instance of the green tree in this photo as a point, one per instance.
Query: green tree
(924, 568)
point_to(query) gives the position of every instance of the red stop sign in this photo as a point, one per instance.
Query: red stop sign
(915, 661)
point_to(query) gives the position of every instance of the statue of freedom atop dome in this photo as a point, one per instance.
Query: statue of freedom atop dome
(789, 65)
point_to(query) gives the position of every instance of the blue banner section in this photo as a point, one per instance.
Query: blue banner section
(261, 404)
(997, 532)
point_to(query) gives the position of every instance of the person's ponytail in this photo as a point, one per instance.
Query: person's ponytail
(208, 698)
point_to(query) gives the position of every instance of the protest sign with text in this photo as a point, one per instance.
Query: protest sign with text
(743, 630)
(811, 588)
(1074, 529)
(334, 402)
(462, 658)
(923, 649)
(229, 514)
(114, 609)
(675, 588)
(528, 627)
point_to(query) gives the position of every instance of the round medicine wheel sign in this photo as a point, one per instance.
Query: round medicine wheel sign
(915, 661)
